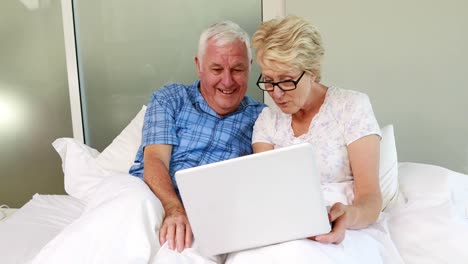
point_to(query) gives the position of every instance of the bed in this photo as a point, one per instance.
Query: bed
(108, 216)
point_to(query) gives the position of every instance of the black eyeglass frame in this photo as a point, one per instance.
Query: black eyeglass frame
(279, 84)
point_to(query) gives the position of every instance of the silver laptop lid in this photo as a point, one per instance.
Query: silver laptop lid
(254, 200)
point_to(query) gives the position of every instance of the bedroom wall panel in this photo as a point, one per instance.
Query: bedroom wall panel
(128, 49)
(410, 57)
(34, 104)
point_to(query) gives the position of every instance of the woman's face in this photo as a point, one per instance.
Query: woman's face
(292, 101)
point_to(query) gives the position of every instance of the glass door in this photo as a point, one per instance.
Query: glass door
(34, 99)
(128, 49)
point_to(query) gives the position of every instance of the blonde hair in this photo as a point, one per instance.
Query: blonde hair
(291, 41)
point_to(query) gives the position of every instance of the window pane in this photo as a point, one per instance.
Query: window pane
(126, 55)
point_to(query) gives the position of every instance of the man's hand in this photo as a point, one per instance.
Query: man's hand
(176, 230)
(175, 227)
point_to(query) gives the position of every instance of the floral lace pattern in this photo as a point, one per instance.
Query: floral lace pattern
(344, 117)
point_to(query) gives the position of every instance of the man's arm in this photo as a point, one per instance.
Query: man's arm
(176, 227)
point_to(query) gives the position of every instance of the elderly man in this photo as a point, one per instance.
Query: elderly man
(191, 125)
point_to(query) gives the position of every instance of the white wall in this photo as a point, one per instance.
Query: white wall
(411, 58)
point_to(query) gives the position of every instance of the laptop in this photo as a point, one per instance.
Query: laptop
(255, 200)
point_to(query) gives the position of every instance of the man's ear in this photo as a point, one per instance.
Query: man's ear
(198, 65)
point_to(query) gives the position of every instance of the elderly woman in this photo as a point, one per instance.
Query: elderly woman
(342, 127)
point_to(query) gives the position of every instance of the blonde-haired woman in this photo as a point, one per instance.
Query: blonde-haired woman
(342, 127)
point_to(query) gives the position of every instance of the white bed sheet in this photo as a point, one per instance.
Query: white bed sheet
(30, 228)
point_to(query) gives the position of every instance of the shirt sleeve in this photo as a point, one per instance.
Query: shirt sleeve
(360, 121)
(263, 129)
(160, 122)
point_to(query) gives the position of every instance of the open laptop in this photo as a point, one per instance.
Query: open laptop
(255, 200)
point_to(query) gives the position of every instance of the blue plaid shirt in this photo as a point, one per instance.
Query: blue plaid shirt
(179, 115)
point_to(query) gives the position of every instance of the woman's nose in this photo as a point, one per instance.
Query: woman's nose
(277, 92)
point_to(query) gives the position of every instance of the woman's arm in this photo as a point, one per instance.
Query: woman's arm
(364, 155)
(261, 147)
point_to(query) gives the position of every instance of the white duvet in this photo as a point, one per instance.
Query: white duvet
(120, 223)
(429, 231)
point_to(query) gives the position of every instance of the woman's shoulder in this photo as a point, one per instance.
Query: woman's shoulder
(345, 98)
(344, 94)
(272, 113)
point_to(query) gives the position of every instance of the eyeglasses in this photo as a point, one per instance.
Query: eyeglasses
(286, 85)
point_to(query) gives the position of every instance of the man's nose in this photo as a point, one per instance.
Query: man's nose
(227, 78)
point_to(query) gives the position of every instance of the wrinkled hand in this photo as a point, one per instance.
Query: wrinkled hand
(176, 230)
(337, 217)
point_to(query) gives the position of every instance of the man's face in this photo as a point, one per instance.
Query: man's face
(224, 75)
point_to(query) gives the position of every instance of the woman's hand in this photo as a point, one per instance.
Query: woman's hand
(338, 217)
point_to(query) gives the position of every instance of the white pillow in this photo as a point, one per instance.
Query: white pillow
(388, 170)
(120, 154)
(84, 167)
(81, 172)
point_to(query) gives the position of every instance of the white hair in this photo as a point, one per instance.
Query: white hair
(224, 33)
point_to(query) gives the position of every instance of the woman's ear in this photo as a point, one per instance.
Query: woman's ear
(313, 78)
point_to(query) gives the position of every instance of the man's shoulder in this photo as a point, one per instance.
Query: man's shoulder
(173, 88)
(174, 91)
(253, 104)
(251, 107)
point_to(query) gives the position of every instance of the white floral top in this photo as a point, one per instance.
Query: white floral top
(344, 117)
